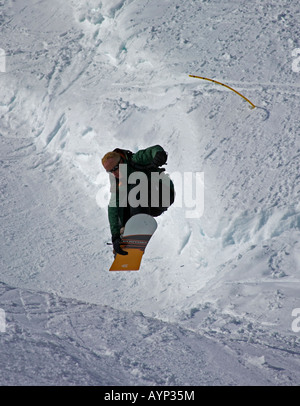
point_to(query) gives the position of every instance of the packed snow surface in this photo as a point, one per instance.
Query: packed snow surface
(217, 300)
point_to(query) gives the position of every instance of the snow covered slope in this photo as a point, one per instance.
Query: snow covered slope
(62, 341)
(84, 77)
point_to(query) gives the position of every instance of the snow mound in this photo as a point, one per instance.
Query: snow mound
(55, 341)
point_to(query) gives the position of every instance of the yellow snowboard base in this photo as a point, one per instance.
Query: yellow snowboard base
(138, 231)
(130, 262)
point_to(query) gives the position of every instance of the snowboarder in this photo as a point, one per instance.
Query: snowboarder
(154, 190)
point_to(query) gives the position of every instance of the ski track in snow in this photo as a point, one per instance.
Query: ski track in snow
(97, 345)
(211, 307)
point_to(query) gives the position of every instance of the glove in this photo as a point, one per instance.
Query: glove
(116, 240)
(160, 158)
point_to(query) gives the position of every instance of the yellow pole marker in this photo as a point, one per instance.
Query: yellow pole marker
(228, 87)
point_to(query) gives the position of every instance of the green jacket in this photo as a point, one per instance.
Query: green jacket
(141, 158)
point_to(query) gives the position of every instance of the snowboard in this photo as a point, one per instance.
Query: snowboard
(137, 233)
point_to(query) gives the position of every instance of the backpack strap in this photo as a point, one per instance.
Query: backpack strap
(126, 154)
